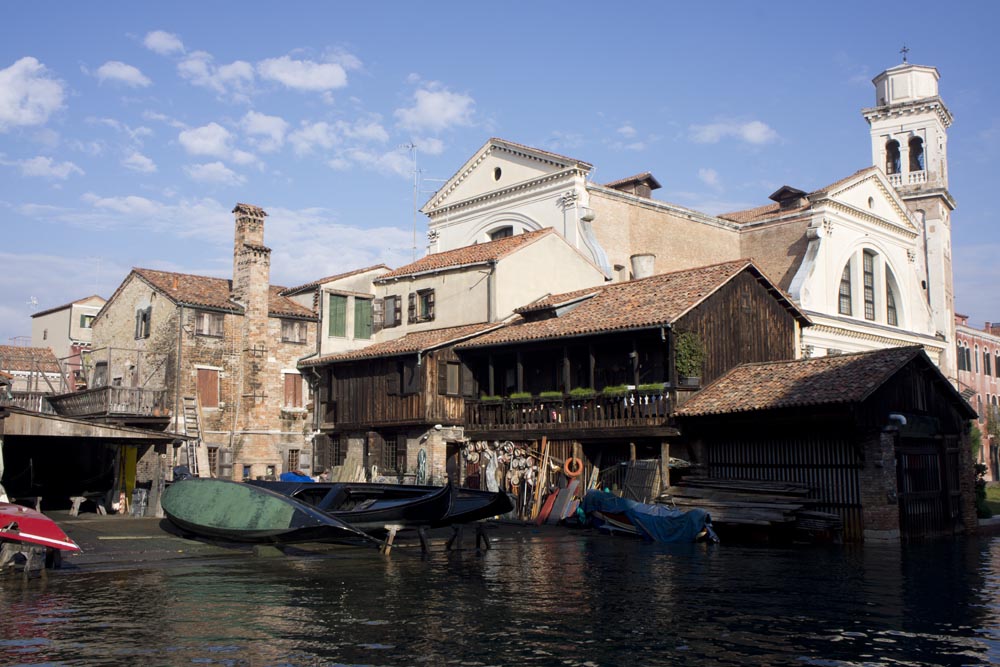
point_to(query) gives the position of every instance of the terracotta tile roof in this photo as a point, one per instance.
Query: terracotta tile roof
(340, 276)
(67, 305)
(15, 358)
(209, 292)
(638, 178)
(772, 210)
(472, 254)
(638, 304)
(844, 379)
(408, 344)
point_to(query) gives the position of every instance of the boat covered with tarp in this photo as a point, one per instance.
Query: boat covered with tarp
(657, 523)
(222, 509)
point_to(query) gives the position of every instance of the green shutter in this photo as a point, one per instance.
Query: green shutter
(338, 315)
(362, 318)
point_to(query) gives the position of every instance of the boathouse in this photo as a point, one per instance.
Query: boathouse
(881, 438)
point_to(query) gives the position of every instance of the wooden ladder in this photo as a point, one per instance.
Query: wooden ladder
(192, 429)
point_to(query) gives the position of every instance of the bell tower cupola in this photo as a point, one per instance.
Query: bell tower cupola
(909, 132)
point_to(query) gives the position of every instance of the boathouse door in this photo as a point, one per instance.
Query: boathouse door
(927, 484)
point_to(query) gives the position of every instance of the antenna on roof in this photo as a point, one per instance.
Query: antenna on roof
(32, 302)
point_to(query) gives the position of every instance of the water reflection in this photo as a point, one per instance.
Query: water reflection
(572, 599)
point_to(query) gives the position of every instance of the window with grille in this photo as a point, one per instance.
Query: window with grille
(338, 451)
(213, 461)
(845, 290)
(390, 449)
(362, 318)
(868, 268)
(208, 324)
(293, 459)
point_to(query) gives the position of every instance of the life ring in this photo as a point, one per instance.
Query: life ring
(569, 465)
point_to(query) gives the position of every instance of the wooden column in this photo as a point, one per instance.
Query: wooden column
(520, 372)
(664, 465)
(566, 370)
(492, 374)
(631, 451)
(593, 363)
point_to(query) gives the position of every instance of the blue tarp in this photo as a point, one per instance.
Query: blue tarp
(294, 477)
(658, 523)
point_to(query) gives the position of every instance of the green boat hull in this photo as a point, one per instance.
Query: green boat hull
(240, 512)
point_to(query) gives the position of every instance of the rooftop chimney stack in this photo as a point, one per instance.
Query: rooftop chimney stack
(643, 266)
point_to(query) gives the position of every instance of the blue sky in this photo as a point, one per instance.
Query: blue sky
(129, 130)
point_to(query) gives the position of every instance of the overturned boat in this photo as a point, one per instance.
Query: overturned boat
(656, 523)
(239, 512)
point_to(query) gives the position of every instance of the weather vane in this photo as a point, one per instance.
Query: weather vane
(904, 51)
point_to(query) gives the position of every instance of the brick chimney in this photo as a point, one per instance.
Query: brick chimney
(992, 328)
(640, 185)
(251, 260)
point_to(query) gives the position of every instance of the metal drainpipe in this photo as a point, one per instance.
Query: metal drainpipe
(491, 284)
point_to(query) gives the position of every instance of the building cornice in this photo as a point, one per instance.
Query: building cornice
(929, 104)
(506, 192)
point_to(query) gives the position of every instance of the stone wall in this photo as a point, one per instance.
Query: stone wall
(879, 495)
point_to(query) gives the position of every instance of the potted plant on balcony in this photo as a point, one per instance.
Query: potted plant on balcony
(689, 357)
(489, 398)
(520, 397)
(615, 390)
(581, 392)
(550, 396)
(650, 388)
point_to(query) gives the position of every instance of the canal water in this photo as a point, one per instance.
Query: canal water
(576, 598)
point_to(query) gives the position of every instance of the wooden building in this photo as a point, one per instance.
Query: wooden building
(388, 401)
(881, 438)
(600, 372)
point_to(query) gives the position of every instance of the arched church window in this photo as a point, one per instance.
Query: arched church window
(892, 157)
(891, 316)
(961, 357)
(868, 269)
(987, 362)
(501, 233)
(845, 291)
(916, 154)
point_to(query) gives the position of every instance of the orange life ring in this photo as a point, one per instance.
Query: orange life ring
(568, 467)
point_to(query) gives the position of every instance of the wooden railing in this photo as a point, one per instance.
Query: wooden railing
(108, 401)
(29, 400)
(630, 409)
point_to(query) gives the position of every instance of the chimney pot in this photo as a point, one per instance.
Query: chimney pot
(642, 265)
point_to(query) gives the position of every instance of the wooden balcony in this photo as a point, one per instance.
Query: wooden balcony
(114, 402)
(632, 413)
(29, 400)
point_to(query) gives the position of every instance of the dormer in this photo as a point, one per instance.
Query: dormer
(788, 197)
(640, 185)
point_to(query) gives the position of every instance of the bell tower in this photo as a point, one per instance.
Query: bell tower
(909, 130)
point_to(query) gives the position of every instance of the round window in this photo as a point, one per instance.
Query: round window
(497, 173)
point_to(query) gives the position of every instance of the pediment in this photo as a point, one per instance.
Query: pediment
(497, 165)
(870, 196)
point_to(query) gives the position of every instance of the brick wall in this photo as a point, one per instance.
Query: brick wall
(879, 499)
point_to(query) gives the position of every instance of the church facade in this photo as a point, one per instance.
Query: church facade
(867, 258)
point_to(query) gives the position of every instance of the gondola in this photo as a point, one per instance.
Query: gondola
(221, 509)
(374, 505)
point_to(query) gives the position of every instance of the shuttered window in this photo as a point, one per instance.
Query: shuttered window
(362, 318)
(410, 377)
(393, 311)
(208, 323)
(293, 331)
(449, 378)
(293, 390)
(208, 387)
(337, 316)
(378, 315)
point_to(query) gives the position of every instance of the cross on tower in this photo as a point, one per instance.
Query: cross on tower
(904, 51)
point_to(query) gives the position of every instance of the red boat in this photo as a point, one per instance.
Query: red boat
(25, 525)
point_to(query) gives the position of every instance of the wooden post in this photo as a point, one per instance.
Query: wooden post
(566, 370)
(631, 451)
(492, 379)
(592, 365)
(520, 373)
(664, 465)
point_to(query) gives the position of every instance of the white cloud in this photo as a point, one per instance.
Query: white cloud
(435, 109)
(709, 176)
(312, 135)
(235, 79)
(213, 140)
(129, 206)
(627, 131)
(393, 162)
(752, 132)
(214, 172)
(267, 132)
(28, 94)
(115, 70)
(164, 43)
(303, 75)
(429, 145)
(364, 130)
(136, 161)
(46, 167)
